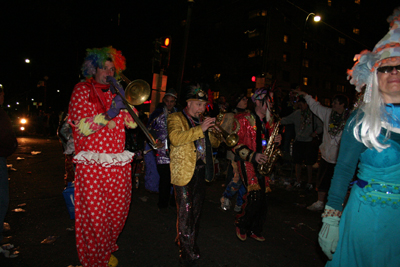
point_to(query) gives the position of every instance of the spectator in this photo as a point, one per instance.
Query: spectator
(306, 126)
(8, 145)
(334, 120)
(366, 232)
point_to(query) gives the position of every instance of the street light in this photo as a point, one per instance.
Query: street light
(27, 61)
(316, 19)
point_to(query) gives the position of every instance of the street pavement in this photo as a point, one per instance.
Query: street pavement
(36, 185)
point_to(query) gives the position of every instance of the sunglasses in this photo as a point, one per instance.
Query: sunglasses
(388, 69)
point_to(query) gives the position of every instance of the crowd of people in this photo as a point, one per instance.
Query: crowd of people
(360, 231)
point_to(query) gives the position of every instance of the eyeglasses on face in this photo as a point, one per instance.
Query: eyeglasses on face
(388, 69)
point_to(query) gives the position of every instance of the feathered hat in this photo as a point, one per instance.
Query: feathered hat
(367, 62)
(196, 93)
(97, 57)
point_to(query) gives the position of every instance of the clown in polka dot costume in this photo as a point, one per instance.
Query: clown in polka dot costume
(103, 173)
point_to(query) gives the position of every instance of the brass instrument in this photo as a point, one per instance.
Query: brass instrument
(270, 151)
(230, 139)
(136, 93)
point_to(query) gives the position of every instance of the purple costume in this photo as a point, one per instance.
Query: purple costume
(158, 128)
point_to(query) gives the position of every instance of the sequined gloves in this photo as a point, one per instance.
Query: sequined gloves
(329, 235)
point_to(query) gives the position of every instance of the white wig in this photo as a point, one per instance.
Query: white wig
(372, 116)
(370, 119)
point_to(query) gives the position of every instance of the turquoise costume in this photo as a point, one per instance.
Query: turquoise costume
(369, 227)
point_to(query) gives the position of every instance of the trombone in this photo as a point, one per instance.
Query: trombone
(136, 93)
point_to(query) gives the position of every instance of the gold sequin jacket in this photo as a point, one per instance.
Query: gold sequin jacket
(183, 153)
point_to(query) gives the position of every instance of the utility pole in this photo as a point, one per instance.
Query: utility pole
(184, 49)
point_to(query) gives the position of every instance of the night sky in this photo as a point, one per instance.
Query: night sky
(55, 34)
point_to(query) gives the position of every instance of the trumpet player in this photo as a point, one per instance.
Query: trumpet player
(191, 164)
(253, 130)
(103, 182)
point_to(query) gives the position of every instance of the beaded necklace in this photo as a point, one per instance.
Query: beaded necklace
(337, 122)
(200, 143)
(305, 119)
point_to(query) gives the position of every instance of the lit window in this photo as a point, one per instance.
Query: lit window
(357, 1)
(285, 39)
(342, 41)
(306, 63)
(257, 13)
(253, 34)
(356, 31)
(216, 95)
(328, 85)
(329, 2)
(216, 77)
(284, 58)
(305, 45)
(305, 80)
(262, 13)
(340, 88)
(327, 102)
(252, 54)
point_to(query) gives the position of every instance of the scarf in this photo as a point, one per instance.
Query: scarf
(97, 95)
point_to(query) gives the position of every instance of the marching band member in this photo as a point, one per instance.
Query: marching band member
(191, 166)
(253, 128)
(103, 182)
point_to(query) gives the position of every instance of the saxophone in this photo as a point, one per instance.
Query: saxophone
(271, 151)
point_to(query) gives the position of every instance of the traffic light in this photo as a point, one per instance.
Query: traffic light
(161, 53)
(253, 79)
(166, 42)
(165, 52)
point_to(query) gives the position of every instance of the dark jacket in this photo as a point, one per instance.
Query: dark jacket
(8, 141)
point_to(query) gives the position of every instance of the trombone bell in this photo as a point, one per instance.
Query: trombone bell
(137, 92)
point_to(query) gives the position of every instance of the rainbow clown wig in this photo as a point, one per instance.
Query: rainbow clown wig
(97, 57)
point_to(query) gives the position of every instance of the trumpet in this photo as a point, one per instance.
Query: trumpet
(230, 139)
(136, 93)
